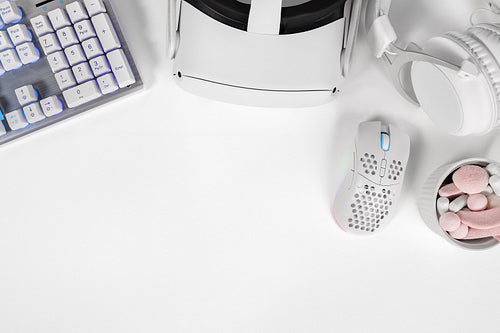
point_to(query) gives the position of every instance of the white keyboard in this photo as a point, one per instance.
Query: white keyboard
(57, 59)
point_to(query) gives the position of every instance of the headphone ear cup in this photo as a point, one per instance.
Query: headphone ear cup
(459, 105)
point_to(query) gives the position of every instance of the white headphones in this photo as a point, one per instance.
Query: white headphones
(455, 77)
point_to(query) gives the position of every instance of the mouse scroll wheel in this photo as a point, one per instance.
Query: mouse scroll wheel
(385, 141)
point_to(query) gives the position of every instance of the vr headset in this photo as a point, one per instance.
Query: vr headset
(277, 53)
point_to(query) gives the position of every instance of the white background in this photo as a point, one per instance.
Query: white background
(165, 212)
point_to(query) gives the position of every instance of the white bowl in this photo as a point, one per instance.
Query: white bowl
(428, 201)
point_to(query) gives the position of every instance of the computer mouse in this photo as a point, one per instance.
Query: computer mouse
(368, 197)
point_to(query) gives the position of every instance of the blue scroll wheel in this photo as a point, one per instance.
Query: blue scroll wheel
(385, 141)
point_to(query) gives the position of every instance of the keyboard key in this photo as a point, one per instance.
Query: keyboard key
(26, 95)
(50, 43)
(121, 68)
(10, 61)
(82, 94)
(16, 120)
(59, 18)
(57, 61)
(100, 66)
(92, 48)
(41, 25)
(82, 72)
(84, 30)
(51, 106)
(19, 34)
(33, 113)
(67, 36)
(5, 42)
(106, 32)
(28, 53)
(107, 83)
(94, 7)
(76, 12)
(10, 13)
(65, 79)
(75, 54)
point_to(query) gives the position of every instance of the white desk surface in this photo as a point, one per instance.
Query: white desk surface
(166, 212)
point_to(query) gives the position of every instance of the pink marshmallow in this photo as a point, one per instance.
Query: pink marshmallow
(461, 232)
(471, 179)
(477, 202)
(450, 191)
(486, 219)
(449, 221)
(482, 233)
(497, 237)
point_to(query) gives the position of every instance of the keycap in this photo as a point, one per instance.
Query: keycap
(92, 48)
(84, 30)
(94, 7)
(82, 94)
(50, 43)
(33, 113)
(10, 13)
(19, 34)
(28, 53)
(67, 36)
(76, 12)
(82, 72)
(41, 25)
(51, 106)
(107, 84)
(100, 66)
(3, 131)
(10, 60)
(26, 95)
(106, 32)
(75, 54)
(121, 68)
(5, 42)
(16, 120)
(57, 61)
(59, 18)
(65, 79)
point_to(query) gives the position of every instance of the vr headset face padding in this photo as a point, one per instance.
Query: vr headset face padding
(462, 106)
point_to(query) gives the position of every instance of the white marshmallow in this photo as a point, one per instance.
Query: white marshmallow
(442, 205)
(495, 184)
(459, 203)
(488, 191)
(493, 169)
(493, 201)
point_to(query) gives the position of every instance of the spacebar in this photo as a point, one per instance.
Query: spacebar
(82, 94)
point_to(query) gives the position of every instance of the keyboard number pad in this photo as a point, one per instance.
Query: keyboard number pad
(84, 51)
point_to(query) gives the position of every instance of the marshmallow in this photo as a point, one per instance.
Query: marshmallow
(486, 219)
(477, 202)
(493, 201)
(458, 203)
(442, 205)
(487, 191)
(471, 179)
(450, 191)
(493, 169)
(449, 221)
(484, 233)
(461, 232)
(495, 184)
